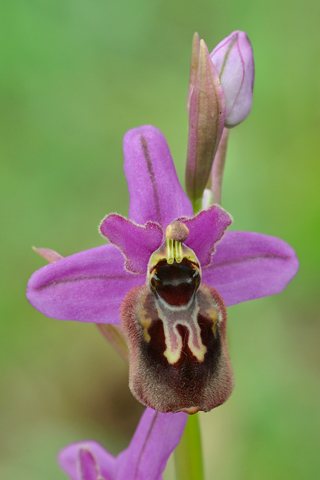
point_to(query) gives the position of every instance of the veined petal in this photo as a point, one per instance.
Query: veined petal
(155, 438)
(250, 265)
(87, 458)
(154, 188)
(88, 286)
(205, 230)
(136, 242)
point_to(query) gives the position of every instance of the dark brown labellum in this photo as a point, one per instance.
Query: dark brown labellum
(177, 343)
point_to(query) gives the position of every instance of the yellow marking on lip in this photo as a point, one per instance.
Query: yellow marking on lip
(145, 322)
(146, 335)
(214, 316)
(172, 356)
(199, 353)
(175, 344)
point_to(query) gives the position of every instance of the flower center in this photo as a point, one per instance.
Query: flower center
(175, 282)
(174, 270)
(174, 251)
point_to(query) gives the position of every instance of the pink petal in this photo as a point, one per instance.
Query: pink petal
(88, 286)
(250, 265)
(136, 242)
(205, 230)
(155, 192)
(88, 466)
(82, 460)
(155, 438)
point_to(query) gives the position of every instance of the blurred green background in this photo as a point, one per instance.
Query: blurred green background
(75, 76)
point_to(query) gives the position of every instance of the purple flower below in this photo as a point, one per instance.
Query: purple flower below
(234, 267)
(156, 437)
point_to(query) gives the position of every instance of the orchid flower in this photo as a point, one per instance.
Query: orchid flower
(167, 276)
(156, 437)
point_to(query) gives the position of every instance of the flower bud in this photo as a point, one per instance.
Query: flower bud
(193, 66)
(233, 60)
(206, 121)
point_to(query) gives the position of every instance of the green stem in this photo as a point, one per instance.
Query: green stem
(188, 454)
(197, 205)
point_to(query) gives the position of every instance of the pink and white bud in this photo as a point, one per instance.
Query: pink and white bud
(233, 60)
